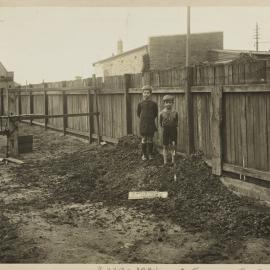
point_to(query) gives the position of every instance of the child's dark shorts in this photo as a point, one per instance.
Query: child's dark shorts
(169, 135)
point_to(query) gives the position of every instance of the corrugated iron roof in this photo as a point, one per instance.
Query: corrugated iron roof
(241, 51)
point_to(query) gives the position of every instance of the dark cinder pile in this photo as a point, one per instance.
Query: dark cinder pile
(200, 202)
(12, 248)
(197, 200)
(129, 141)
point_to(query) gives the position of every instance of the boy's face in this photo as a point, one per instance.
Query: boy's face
(146, 94)
(168, 104)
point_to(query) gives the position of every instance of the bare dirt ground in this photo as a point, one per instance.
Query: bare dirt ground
(68, 204)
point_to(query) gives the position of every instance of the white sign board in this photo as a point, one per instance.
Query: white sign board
(135, 195)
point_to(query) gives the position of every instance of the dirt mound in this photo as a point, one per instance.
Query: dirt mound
(197, 200)
(129, 141)
(14, 249)
(8, 233)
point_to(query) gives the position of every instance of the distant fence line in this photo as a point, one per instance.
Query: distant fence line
(224, 111)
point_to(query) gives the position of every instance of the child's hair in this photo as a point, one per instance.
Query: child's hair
(148, 88)
(168, 97)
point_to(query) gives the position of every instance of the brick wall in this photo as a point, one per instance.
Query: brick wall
(169, 51)
(129, 62)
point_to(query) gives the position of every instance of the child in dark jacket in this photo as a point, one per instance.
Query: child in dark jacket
(168, 119)
(147, 111)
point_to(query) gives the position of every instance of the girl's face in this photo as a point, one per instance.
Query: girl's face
(168, 104)
(146, 94)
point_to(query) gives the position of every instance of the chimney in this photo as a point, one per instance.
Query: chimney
(119, 46)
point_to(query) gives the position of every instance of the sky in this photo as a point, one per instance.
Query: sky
(59, 43)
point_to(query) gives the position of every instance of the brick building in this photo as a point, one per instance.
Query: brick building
(162, 52)
(170, 51)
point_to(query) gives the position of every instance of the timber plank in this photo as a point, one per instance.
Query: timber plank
(236, 129)
(231, 129)
(182, 124)
(250, 134)
(226, 128)
(226, 74)
(114, 113)
(203, 120)
(208, 125)
(119, 104)
(252, 141)
(263, 132)
(232, 123)
(268, 130)
(195, 121)
(257, 131)
(216, 120)
(202, 112)
(243, 125)
(264, 175)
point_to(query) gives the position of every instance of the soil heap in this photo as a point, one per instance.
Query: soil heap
(197, 201)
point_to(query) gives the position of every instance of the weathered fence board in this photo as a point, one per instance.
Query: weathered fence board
(201, 118)
(55, 107)
(38, 104)
(216, 125)
(268, 129)
(135, 99)
(25, 104)
(77, 104)
(230, 73)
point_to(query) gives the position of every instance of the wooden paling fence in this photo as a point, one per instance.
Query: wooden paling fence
(222, 113)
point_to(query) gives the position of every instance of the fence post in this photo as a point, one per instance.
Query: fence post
(90, 117)
(19, 102)
(12, 143)
(97, 117)
(189, 112)
(216, 125)
(45, 109)
(243, 124)
(128, 118)
(64, 103)
(31, 109)
(94, 83)
(2, 101)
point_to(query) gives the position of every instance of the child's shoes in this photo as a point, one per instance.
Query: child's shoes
(144, 157)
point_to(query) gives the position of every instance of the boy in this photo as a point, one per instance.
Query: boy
(147, 111)
(169, 121)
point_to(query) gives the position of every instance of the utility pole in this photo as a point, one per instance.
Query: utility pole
(188, 37)
(188, 97)
(257, 37)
